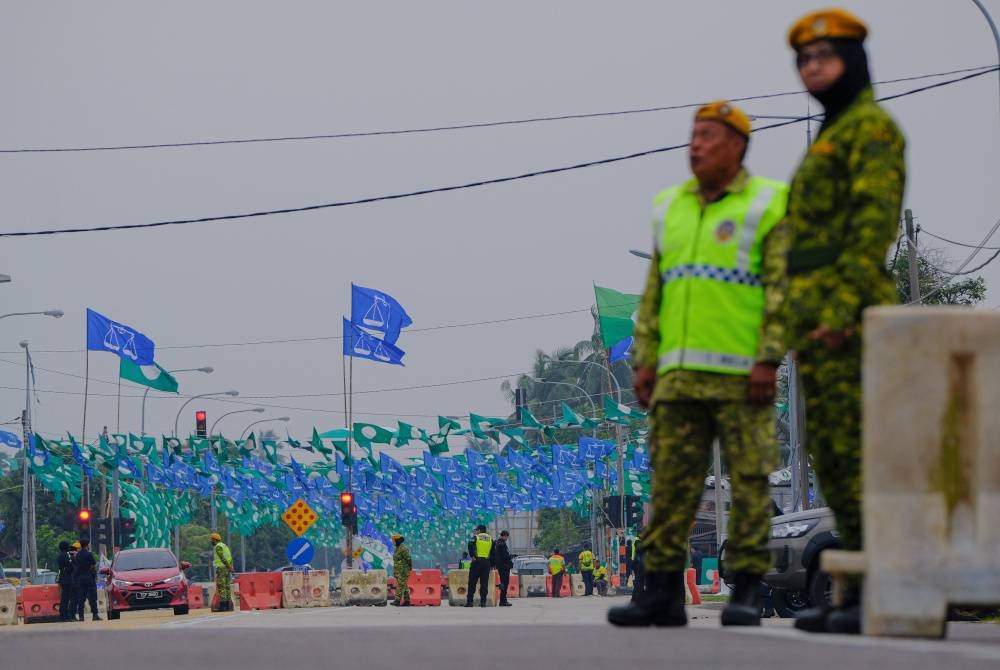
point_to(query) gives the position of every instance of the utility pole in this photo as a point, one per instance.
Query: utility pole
(911, 244)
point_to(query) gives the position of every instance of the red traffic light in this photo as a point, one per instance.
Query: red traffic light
(346, 498)
(84, 515)
(200, 416)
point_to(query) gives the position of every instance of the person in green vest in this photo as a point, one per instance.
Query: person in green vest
(222, 559)
(586, 561)
(600, 578)
(557, 568)
(402, 565)
(843, 216)
(708, 342)
(480, 549)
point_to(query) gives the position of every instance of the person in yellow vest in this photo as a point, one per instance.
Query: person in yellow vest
(708, 342)
(600, 578)
(557, 568)
(222, 559)
(586, 561)
(480, 548)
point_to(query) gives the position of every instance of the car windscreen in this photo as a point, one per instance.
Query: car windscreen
(145, 560)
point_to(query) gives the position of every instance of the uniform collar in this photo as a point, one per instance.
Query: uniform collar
(738, 184)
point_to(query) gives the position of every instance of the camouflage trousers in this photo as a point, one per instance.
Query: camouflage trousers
(403, 587)
(831, 382)
(222, 585)
(681, 454)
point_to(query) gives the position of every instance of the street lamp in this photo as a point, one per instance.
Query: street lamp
(203, 395)
(5, 279)
(280, 418)
(142, 427)
(641, 254)
(55, 313)
(258, 410)
(600, 367)
(989, 20)
(593, 407)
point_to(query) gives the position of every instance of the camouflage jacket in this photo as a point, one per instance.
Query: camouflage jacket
(698, 385)
(401, 563)
(843, 215)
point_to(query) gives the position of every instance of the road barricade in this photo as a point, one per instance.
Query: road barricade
(196, 597)
(258, 590)
(533, 586)
(691, 594)
(41, 603)
(576, 585)
(931, 478)
(458, 587)
(565, 591)
(390, 587)
(8, 606)
(305, 589)
(512, 587)
(102, 602)
(363, 588)
(425, 588)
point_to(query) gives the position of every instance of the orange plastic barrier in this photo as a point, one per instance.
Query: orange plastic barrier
(20, 605)
(260, 590)
(196, 597)
(616, 581)
(565, 591)
(716, 587)
(691, 585)
(513, 587)
(41, 603)
(425, 588)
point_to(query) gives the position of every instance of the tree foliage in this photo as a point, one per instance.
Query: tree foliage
(937, 287)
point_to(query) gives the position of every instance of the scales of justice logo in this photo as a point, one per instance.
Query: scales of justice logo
(376, 317)
(121, 339)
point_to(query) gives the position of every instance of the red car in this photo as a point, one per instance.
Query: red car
(145, 579)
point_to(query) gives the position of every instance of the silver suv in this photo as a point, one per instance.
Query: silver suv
(795, 543)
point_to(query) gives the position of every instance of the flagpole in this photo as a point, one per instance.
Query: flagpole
(118, 421)
(85, 484)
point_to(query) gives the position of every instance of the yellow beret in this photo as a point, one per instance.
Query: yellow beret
(397, 536)
(826, 24)
(76, 545)
(216, 537)
(727, 113)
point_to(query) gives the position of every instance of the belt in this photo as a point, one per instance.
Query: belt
(807, 259)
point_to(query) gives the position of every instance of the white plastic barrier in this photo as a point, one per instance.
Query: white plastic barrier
(576, 585)
(363, 588)
(305, 589)
(931, 468)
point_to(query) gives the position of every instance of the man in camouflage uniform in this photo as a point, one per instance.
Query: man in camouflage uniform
(708, 344)
(402, 565)
(843, 215)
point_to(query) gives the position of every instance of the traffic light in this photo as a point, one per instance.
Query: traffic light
(102, 534)
(634, 511)
(348, 511)
(126, 534)
(200, 423)
(83, 520)
(613, 511)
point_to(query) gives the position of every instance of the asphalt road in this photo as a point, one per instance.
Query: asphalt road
(534, 633)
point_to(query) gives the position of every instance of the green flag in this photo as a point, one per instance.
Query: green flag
(152, 376)
(622, 414)
(614, 312)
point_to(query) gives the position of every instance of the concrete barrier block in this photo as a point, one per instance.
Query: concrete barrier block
(458, 587)
(363, 588)
(305, 589)
(931, 466)
(8, 606)
(533, 586)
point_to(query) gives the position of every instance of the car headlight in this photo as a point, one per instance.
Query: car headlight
(174, 579)
(119, 582)
(790, 529)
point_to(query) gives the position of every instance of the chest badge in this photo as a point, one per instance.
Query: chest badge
(725, 231)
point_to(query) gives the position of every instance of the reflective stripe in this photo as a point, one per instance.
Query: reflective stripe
(659, 216)
(705, 358)
(725, 275)
(750, 224)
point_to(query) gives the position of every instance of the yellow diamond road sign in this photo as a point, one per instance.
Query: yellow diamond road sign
(299, 517)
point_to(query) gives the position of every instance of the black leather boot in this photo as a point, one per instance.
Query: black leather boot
(745, 603)
(846, 619)
(813, 620)
(660, 604)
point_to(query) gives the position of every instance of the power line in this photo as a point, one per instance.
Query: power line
(958, 244)
(443, 128)
(941, 285)
(439, 189)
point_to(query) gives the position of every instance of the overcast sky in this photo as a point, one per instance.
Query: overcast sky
(84, 74)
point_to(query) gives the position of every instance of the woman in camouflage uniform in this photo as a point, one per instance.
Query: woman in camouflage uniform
(843, 215)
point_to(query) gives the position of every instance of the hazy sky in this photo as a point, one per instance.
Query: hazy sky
(81, 74)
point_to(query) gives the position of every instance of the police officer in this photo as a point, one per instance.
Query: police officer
(557, 568)
(638, 569)
(85, 566)
(843, 215)
(586, 561)
(402, 564)
(480, 548)
(503, 562)
(222, 559)
(67, 587)
(600, 578)
(708, 344)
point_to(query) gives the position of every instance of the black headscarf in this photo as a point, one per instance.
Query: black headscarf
(855, 79)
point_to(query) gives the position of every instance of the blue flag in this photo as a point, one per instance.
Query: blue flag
(621, 350)
(103, 334)
(10, 439)
(359, 344)
(378, 312)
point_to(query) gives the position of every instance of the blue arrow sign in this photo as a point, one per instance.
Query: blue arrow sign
(300, 551)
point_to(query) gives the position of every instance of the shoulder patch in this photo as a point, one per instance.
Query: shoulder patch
(821, 147)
